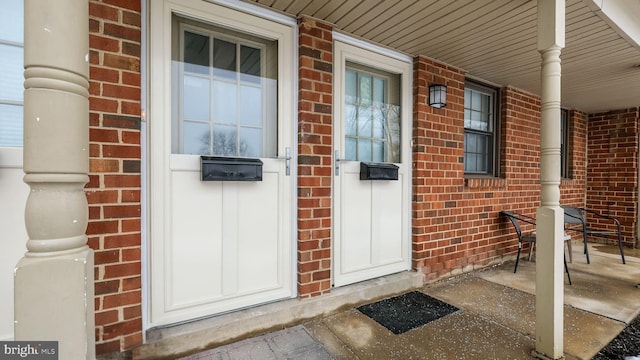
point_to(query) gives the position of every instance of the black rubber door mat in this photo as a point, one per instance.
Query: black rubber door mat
(408, 311)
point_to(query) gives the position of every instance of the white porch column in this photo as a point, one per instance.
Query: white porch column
(550, 217)
(54, 294)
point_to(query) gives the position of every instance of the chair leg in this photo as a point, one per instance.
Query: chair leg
(620, 246)
(517, 257)
(586, 248)
(569, 247)
(531, 246)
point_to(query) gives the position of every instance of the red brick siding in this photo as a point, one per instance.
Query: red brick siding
(315, 96)
(456, 221)
(114, 190)
(612, 155)
(439, 226)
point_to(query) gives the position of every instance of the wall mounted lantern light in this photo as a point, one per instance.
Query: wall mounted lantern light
(437, 95)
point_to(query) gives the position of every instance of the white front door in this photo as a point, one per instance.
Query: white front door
(224, 84)
(372, 125)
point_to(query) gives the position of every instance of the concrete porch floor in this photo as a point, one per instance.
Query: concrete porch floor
(496, 319)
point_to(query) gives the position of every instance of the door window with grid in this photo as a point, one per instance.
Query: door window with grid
(225, 101)
(479, 129)
(372, 115)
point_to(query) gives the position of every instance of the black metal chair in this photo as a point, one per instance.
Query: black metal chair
(529, 237)
(575, 219)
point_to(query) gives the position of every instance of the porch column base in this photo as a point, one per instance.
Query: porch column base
(54, 301)
(539, 355)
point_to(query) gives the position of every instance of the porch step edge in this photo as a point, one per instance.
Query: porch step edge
(188, 338)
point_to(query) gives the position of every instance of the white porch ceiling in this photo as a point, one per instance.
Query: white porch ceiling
(496, 41)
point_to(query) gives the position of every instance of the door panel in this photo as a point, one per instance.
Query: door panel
(371, 226)
(226, 238)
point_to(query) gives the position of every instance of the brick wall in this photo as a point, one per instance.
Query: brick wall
(440, 240)
(612, 154)
(456, 222)
(315, 96)
(113, 192)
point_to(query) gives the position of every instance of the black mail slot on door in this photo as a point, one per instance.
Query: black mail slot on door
(378, 171)
(213, 168)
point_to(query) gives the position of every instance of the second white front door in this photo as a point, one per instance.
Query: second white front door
(371, 133)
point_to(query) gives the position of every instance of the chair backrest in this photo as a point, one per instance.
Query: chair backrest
(573, 215)
(515, 221)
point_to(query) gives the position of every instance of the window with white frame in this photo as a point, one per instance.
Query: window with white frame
(11, 76)
(480, 129)
(372, 114)
(225, 101)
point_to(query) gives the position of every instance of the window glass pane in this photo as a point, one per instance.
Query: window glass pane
(481, 122)
(250, 142)
(365, 89)
(224, 58)
(250, 66)
(467, 100)
(11, 20)
(378, 151)
(379, 88)
(467, 116)
(364, 121)
(474, 121)
(476, 99)
(11, 76)
(225, 140)
(482, 163)
(470, 163)
(392, 132)
(224, 102)
(364, 150)
(196, 138)
(351, 85)
(379, 116)
(196, 98)
(351, 152)
(250, 105)
(196, 53)
(470, 144)
(350, 114)
(483, 145)
(485, 107)
(10, 125)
